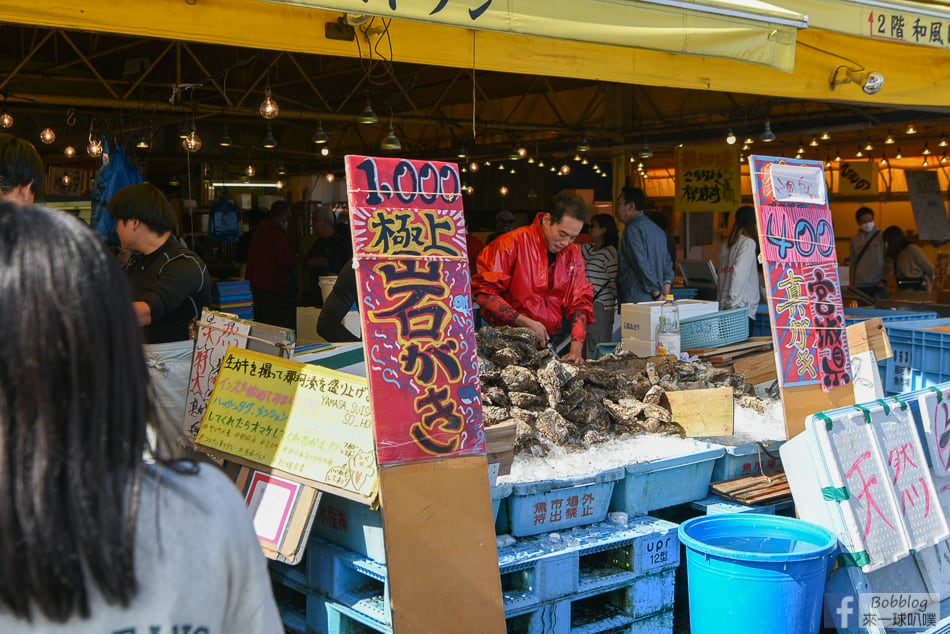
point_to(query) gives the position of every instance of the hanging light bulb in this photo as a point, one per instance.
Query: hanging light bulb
(540, 163)
(859, 153)
(462, 153)
(801, 148)
(943, 158)
(838, 155)
(473, 166)
(943, 141)
(281, 169)
(503, 190)
(269, 108)
(6, 119)
(745, 147)
(645, 152)
(565, 169)
(884, 162)
(748, 141)
(512, 171)
(320, 136)
(269, 141)
(142, 143)
(69, 151)
(584, 161)
(868, 147)
(249, 170)
(325, 151)
(899, 155)
(813, 142)
(66, 179)
(889, 139)
(279, 184)
(94, 148)
(47, 135)
(825, 136)
(767, 135)
(501, 167)
(192, 142)
(522, 152)
(331, 177)
(174, 181)
(531, 160)
(910, 129)
(368, 117)
(583, 146)
(577, 158)
(926, 161)
(926, 150)
(731, 137)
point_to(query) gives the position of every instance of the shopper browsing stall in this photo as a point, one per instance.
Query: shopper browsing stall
(738, 266)
(170, 287)
(912, 269)
(645, 271)
(96, 538)
(600, 260)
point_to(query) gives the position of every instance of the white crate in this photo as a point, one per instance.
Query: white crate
(639, 321)
(640, 347)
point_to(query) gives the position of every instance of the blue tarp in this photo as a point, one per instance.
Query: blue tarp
(117, 172)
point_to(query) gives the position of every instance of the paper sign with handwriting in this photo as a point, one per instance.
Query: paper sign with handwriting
(305, 420)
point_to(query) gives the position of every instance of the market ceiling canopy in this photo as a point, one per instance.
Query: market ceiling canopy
(744, 30)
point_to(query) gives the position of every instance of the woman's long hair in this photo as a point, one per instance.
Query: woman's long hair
(75, 401)
(609, 225)
(894, 241)
(744, 225)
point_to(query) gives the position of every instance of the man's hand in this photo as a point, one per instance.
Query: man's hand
(575, 354)
(540, 332)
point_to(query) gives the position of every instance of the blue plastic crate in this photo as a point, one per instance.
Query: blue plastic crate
(555, 505)
(667, 482)
(715, 329)
(746, 459)
(921, 357)
(763, 326)
(684, 293)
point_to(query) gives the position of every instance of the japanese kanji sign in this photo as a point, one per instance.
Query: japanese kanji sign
(798, 250)
(935, 415)
(708, 178)
(305, 420)
(415, 307)
(880, 482)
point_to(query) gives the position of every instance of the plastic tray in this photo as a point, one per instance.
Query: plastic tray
(554, 505)
(667, 482)
(715, 329)
(684, 293)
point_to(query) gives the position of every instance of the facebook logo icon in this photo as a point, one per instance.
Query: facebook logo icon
(844, 610)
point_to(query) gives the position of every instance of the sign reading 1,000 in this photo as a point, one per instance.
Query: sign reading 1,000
(410, 180)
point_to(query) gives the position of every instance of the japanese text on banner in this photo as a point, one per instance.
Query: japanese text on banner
(416, 307)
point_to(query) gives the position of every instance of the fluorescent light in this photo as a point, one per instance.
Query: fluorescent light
(243, 184)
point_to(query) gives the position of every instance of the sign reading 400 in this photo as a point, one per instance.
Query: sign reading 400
(798, 234)
(380, 180)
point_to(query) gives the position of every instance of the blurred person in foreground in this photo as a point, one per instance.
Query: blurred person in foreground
(270, 268)
(95, 538)
(21, 170)
(534, 277)
(600, 261)
(738, 266)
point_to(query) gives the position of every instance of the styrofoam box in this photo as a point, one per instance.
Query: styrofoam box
(554, 505)
(640, 347)
(657, 484)
(359, 528)
(639, 321)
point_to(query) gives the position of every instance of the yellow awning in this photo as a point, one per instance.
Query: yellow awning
(890, 21)
(745, 30)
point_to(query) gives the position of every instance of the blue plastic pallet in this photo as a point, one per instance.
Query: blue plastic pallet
(608, 611)
(537, 569)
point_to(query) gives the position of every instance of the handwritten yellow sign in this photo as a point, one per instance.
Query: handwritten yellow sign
(305, 420)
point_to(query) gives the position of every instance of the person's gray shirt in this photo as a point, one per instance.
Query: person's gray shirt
(645, 264)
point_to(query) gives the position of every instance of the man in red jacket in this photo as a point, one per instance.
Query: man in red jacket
(270, 263)
(534, 276)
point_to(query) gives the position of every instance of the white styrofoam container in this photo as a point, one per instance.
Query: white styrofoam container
(640, 347)
(866, 482)
(639, 321)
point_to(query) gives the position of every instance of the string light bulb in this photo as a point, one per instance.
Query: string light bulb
(269, 108)
(6, 119)
(249, 171)
(192, 142)
(94, 148)
(69, 151)
(731, 137)
(47, 135)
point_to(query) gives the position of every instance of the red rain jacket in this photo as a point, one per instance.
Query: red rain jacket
(514, 268)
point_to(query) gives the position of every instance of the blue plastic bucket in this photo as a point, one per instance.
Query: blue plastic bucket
(754, 573)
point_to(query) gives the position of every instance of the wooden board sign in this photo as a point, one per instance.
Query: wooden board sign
(311, 423)
(803, 293)
(415, 301)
